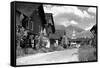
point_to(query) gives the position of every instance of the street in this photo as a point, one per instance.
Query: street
(68, 55)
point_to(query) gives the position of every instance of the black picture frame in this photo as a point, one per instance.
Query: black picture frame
(13, 32)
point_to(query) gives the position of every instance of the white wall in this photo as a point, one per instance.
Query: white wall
(5, 34)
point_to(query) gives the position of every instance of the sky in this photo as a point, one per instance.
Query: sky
(83, 17)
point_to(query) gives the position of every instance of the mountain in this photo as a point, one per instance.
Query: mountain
(60, 27)
(94, 29)
(85, 33)
(72, 29)
(57, 35)
(75, 28)
(69, 28)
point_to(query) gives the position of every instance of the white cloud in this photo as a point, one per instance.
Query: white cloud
(73, 22)
(86, 14)
(67, 23)
(92, 10)
(88, 28)
(70, 15)
(66, 9)
(64, 23)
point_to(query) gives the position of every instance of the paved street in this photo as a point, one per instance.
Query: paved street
(68, 55)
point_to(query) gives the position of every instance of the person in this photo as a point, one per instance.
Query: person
(56, 43)
(32, 41)
(36, 42)
(65, 41)
(78, 45)
(47, 41)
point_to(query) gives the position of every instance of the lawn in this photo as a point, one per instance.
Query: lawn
(21, 52)
(87, 54)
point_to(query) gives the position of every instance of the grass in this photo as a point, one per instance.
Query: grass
(21, 52)
(87, 54)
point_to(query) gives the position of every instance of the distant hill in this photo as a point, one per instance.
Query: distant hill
(69, 30)
(86, 33)
(57, 35)
(94, 29)
(75, 28)
(79, 32)
(60, 27)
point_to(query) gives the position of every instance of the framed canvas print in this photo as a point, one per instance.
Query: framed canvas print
(50, 33)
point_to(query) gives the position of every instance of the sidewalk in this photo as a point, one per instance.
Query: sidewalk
(68, 55)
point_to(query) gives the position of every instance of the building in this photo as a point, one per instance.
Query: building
(34, 21)
(94, 29)
(50, 23)
(80, 38)
(33, 17)
(94, 39)
(56, 36)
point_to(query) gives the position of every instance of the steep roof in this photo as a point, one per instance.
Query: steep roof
(26, 9)
(87, 34)
(50, 21)
(57, 35)
(94, 28)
